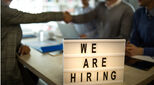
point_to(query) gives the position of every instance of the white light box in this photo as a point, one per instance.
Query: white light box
(93, 61)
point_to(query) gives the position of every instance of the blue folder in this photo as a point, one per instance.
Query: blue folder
(29, 36)
(45, 46)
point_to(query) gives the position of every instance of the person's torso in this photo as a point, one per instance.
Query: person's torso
(145, 27)
(110, 19)
(11, 38)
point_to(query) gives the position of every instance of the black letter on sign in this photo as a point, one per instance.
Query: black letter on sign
(105, 75)
(86, 63)
(88, 76)
(94, 62)
(73, 77)
(81, 77)
(103, 61)
(113, 77)
(93, 47)
(97, 76)
(83, 47)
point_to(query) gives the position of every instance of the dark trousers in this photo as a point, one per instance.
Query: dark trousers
(28, 77)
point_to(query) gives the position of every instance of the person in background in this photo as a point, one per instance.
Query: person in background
(113, 18)
(142, 38)
(134, 3)
(87, 30)
(11, 46)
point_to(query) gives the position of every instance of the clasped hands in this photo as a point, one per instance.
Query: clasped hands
(67, 17)
(132, 50)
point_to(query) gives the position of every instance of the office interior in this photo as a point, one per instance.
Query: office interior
(51, 28)
(50, 31)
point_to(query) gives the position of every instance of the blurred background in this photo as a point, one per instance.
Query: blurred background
(38, 6)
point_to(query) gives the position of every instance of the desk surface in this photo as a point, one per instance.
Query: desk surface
(144, 58)
(47, 67)
(50, 69)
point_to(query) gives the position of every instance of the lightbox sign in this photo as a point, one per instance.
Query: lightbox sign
(93, 61)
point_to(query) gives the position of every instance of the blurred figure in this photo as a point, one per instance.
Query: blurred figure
(142, 38)
(87, 30)
(134, 3)
(12, 74)
(113, 17)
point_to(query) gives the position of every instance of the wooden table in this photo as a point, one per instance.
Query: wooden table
(47, 67)
(50, 69)
(134, 76)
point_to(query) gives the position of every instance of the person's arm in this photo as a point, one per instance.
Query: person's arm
(132, 50)
(84, 18)
(13, 16)
(135, 36)
(126, 24)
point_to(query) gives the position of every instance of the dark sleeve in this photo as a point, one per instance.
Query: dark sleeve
(135, 36)
(13, 16)
(126, 23)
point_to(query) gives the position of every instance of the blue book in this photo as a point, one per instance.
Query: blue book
(45, 46)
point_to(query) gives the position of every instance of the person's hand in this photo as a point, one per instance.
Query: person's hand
(67, 17)
(83, 36)
(126, 51)
(132, 50)
(24, 50)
